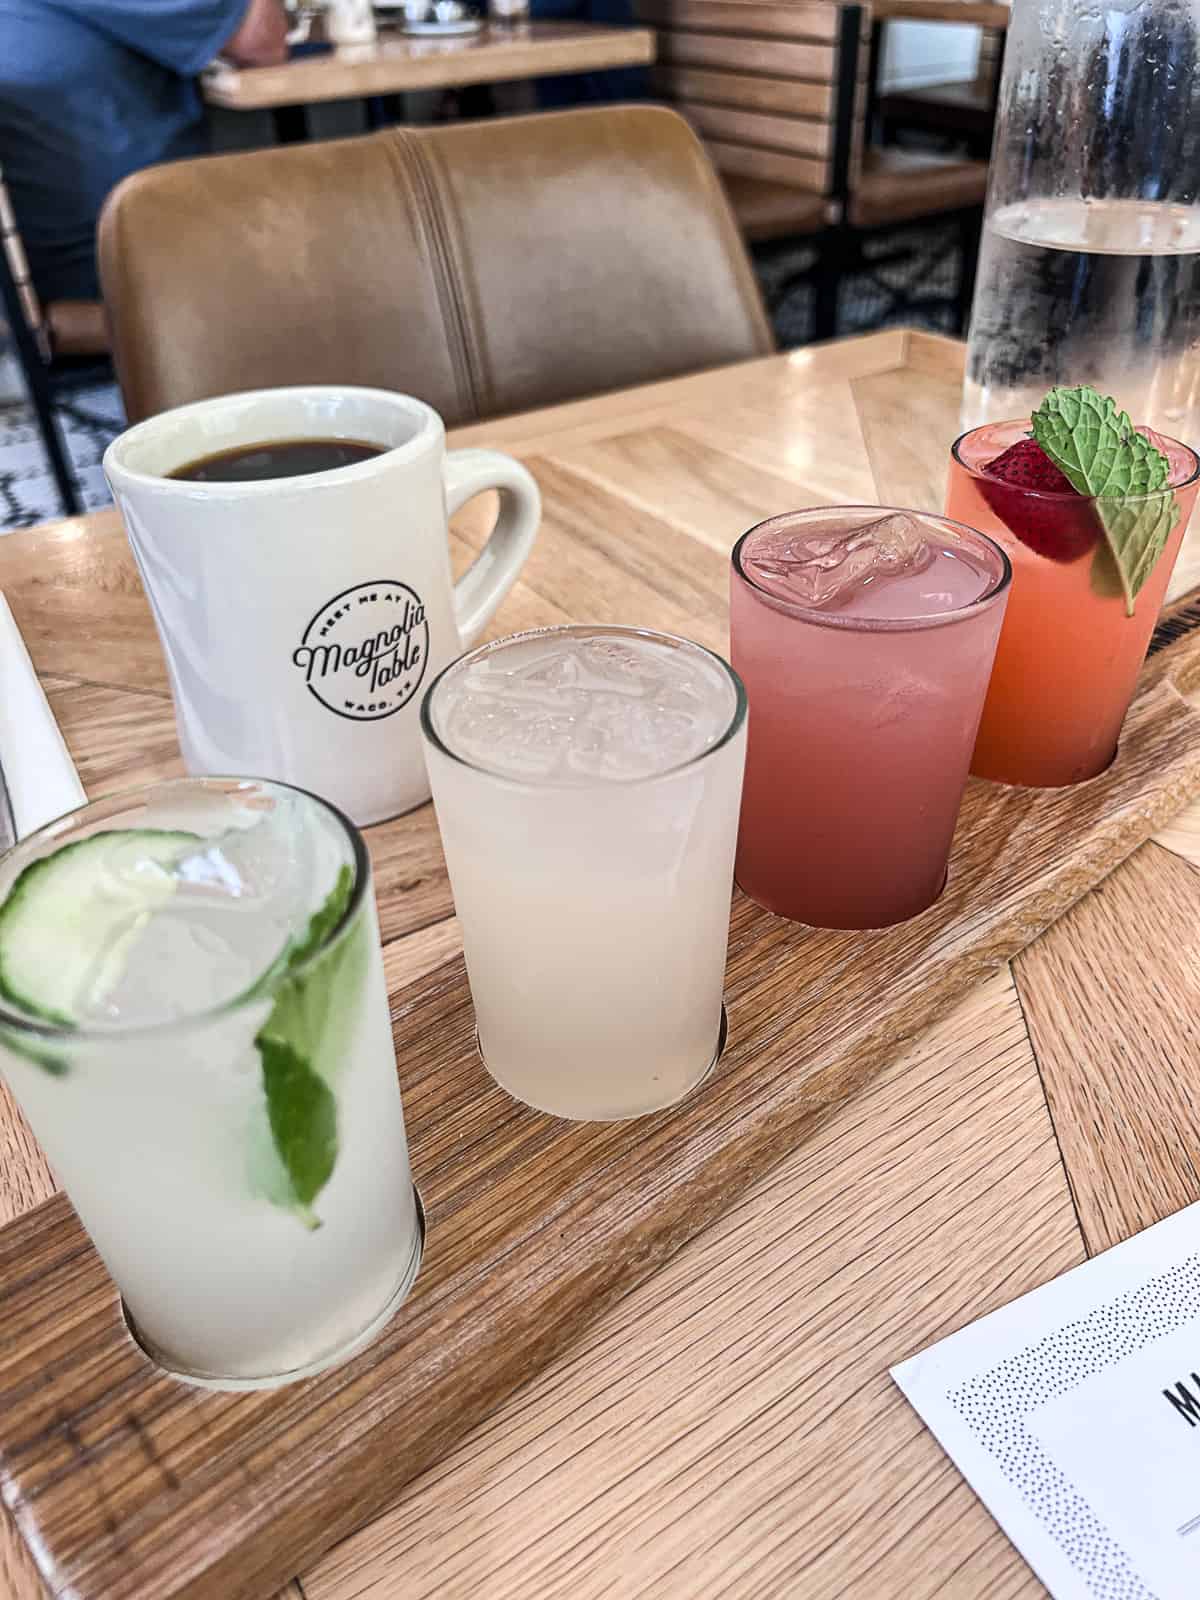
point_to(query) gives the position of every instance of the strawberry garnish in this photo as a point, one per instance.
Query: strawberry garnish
(1061, 530)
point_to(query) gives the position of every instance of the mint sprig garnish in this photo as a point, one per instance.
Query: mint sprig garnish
(298, 1046)
(303, 1116)
(1101, 453)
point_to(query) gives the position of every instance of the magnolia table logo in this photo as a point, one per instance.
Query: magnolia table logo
(363, 655)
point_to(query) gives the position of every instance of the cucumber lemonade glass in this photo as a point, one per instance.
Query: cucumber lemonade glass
(194, 1020)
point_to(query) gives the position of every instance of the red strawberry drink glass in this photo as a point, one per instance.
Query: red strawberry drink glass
(864, 637)
(1073, 640)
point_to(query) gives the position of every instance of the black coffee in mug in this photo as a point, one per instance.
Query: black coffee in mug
(277, 458)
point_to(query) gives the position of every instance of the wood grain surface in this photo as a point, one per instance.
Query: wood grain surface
(753, 92)
(729, 124)
(792, 19)
(680, 47)
(396, 65)
(729, 1429)
(1115, 1021)
(995, 14)
(725, 1428)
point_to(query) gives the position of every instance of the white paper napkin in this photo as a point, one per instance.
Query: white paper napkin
(1074, 1414)
(41, 777)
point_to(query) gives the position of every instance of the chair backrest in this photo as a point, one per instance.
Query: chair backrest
(774, 89)
(486, 267)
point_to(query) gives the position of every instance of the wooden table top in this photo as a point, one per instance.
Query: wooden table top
(977, 13)
(397, 64)
(729, 1429)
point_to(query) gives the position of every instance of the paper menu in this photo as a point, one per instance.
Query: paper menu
(1074, 1413)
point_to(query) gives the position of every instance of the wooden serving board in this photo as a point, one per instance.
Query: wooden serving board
(126, 1483)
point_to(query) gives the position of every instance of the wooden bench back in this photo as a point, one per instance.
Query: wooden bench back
(991, 58)
(772, 88)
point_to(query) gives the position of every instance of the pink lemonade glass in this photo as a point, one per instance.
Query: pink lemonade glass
(865, 638)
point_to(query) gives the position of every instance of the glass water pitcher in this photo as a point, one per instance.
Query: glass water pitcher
(1089, 270)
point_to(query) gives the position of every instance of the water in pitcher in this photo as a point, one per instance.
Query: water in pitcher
(1103, 292)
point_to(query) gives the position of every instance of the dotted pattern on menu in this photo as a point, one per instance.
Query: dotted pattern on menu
(996, 1403)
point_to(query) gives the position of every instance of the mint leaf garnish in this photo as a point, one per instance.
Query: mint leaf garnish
(1100, 452)
(298, 1045)
(323, 921)
(303, 1118)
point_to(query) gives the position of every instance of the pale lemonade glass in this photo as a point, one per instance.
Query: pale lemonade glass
(586, 781)
(1069, 654)
(865, 673)
(153, 1110)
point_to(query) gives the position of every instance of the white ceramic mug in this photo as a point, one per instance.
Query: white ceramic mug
(302, 617)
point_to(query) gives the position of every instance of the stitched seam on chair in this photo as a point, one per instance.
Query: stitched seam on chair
(414, 175)
(465, 287)
(448, 277)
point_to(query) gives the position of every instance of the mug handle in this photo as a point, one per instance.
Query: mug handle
(494, 571)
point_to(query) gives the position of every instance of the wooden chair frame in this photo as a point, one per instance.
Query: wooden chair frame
(31, 339)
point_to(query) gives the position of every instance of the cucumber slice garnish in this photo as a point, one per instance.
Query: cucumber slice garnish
(69, 920)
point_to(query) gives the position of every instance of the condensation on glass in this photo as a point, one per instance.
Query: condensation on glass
(1090, 263)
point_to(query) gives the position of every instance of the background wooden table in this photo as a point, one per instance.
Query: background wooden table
(730, 1429)
(397, 64)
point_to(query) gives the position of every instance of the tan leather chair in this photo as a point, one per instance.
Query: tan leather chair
(486, 267)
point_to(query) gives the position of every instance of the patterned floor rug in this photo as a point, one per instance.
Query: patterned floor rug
(90, 418)
(921, 263)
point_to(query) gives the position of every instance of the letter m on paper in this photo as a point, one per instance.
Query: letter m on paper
(1185, 1402)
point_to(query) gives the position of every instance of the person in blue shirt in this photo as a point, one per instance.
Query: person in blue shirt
(91, 90)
